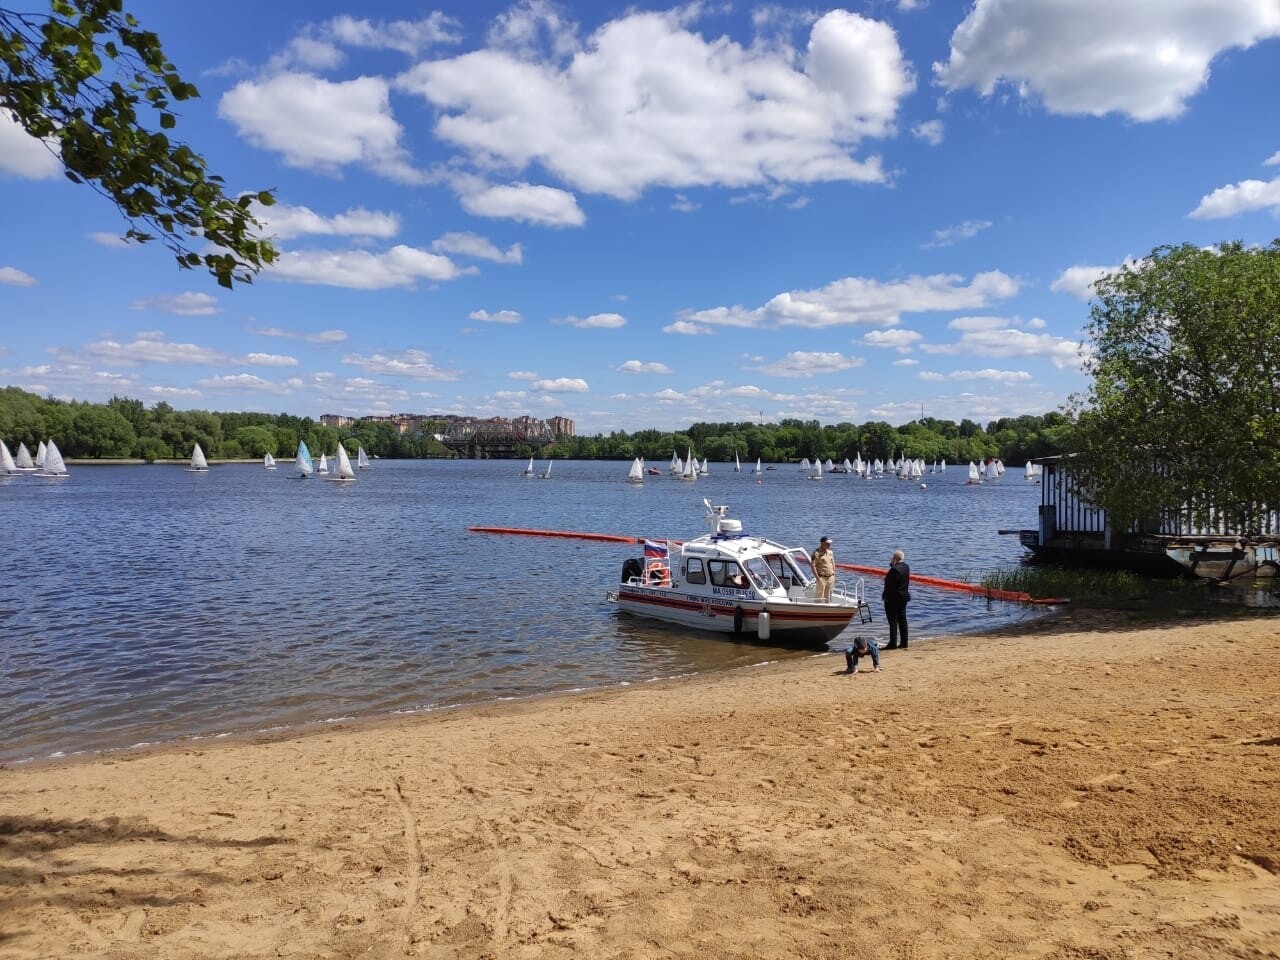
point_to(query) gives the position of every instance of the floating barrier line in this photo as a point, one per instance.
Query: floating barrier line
(988, 592)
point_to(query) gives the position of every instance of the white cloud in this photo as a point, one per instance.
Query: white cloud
(110, 240)
(638, 366)
(285, 222)
(408, 363)
(997, 376)
(645, 102)
(562, 385)
(522, 375)
(173, 393)
(1243, 197)
(930, 131)
(1141, 58)
(152, 347)
(684, 204)
(534, 28)
(184, 304)
(801, 363)
(270, 360)
(1272, 160)
(324, 336)
(906, 362)
(597, 321)
(321, 125)
(401, 266)
(16, 278)
(950, 236)
(900, 340)
(525, 202)
(74, 374)
(308, 53)
(859, 300)
(968, 324)
(1009, 342)
(478, 247)
(502, 316)
(687, 328)
(22, 155)
(407, 36)
(1079, 280)
(250, 382)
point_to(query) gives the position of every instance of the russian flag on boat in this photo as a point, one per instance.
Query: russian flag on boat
(655, 550)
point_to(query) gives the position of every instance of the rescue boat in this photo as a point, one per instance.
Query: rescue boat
(730, 582)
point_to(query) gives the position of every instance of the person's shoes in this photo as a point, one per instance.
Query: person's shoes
(903, 646)
(892, 646)
(876, 670)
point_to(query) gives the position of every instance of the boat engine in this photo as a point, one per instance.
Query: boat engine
(632, 567)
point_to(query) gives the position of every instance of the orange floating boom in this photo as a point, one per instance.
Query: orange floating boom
(942, 584)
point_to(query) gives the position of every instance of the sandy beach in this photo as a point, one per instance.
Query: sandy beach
(1088, 786)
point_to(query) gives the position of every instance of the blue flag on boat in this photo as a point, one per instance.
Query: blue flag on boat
(655, 550)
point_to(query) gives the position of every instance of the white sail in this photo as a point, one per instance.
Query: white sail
(677, 465)
(737, 467)
(23, 460)
(974, 475)
(817, 470)
(757, 469)
(992, 470)
(705, 469)
(303, 461)
(547, 473)
(637, 471)
(1029, 471)
(528, 471)
(804, 465)
(848, 467)
(269, 461)
(53, 464)
(690, 471)
(362, 458)
(6, 460)
(343, 471)
(323, 465)
(944, 466)
(40, 454)
(198, 462)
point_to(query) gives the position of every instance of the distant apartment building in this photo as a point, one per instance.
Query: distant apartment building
(562, 427)
(336, 420)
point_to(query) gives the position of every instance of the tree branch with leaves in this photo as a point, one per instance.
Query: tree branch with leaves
(86, 80)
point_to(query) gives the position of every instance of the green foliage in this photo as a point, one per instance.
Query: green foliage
(1184, 409)
(85, 79)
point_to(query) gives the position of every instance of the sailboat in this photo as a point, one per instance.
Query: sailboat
(323, 465)
(23, 460)
(528, 471)
(637, 471)
(40, 454)
(993, 470)
(268, 461)
(303, 461)
(53, 467)
(705, 469)
(690, 471)
(757, 469)
(198, 463)
(817, 470)
(344, 473)
(7, 466)
(975, 476)
(546, 474)
(677, 465)
(362, 459)
(737, 467)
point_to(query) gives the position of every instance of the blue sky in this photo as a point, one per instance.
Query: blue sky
(647, 215)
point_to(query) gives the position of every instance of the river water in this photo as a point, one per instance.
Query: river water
(146, 604)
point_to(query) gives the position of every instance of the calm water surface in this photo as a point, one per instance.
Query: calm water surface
(145, 603)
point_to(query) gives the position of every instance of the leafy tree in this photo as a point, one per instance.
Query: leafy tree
(1184, 409)
(86, 80)
(97, 431)
(255, 441)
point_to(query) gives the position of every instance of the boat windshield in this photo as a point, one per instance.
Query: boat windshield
(760, 573)
(800, 562)
(791, 568)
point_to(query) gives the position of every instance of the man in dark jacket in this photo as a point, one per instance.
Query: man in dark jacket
(897, 580)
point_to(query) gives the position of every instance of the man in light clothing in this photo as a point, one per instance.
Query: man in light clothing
(824, 567)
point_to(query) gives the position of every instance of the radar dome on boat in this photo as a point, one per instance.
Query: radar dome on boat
(726, 525)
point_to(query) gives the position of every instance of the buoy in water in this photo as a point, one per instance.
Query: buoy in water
(924, 486)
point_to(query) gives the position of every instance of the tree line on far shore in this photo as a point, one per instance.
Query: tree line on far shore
(126, 428)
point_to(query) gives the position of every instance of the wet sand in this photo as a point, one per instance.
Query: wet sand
(1082, 787)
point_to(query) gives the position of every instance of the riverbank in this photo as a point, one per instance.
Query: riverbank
(1083, 786)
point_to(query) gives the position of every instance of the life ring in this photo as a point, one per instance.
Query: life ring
(657, 574)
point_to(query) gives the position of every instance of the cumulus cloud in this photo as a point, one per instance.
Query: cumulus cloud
(172, 393)
(407, 363)
(687, 328)
(1079, 280)
(930, 131)
(1243, 197)
(110, 240)
(401, 266)
(989, 341)
(184, 304)
(153, 347)
(645, 101)
(950, 236)
(597, 321)
(410, 37)
(997, 376)
(522, 375)
(562, 385)
(285, 221)
(250, 382)
(525, 202)
(22, 155)
(1141, 58)
(324, 336)
(270, 360)
(321, 125)
(501, 316)
(16, 278)
(638, 366)
(802, 363)
(858, 300)
(478, 247)
(900, 340)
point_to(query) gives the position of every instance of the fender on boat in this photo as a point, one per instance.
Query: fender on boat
(762, 625)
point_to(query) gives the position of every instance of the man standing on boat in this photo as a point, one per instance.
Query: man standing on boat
(896, 594)
(824, 567)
